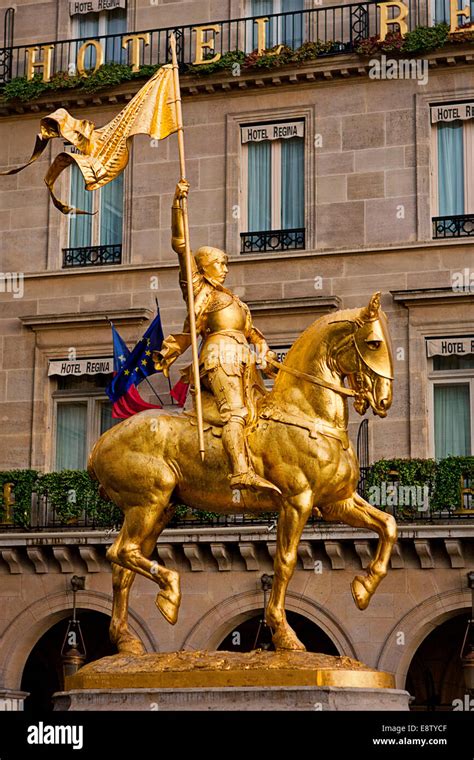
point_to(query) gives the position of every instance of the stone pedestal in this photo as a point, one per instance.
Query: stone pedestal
(230, 681)
(258, 698)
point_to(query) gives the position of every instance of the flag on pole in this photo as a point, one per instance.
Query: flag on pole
(102, 154)
(179, 392)
(131, 402)
(138, 365)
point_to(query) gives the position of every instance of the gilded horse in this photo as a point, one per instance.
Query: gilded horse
(298, 440)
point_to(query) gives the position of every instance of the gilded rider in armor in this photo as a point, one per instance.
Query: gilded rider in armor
(225, 325)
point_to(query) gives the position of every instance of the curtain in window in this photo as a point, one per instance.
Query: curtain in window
(292, 26)
(80, 226)
(441, 11)
(450, 169)
(71, 436)
(259, 186)
(116, 24)
(260, 9)
(88, 29)
(292, 183)
(111, 212)
(452, 420)
(106, 419)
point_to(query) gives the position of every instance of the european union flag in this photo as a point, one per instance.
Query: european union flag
(138, 363)
(121, 351)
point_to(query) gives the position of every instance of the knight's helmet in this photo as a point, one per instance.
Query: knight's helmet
(372, 339)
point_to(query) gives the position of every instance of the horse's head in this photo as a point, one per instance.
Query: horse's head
(364, 356)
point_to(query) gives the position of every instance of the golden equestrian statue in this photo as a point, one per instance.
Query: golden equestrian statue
(296, 438)
(287, 449)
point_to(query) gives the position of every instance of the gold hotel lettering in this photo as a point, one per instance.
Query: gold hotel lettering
(135, 39)
(44, 65)
(99, 56)
(204, 45)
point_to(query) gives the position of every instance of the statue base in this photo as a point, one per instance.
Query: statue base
(258, 680)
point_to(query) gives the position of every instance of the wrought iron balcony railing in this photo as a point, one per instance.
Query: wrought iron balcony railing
(92, 256)
(460, 225)
(272, 240)
(41, 514)
(343, 25)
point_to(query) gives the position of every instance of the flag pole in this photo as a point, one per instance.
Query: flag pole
(189, 281)
(169, 381)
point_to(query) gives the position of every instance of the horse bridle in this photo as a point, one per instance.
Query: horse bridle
(341, 389)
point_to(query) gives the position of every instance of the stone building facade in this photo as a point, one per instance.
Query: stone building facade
(374, 157)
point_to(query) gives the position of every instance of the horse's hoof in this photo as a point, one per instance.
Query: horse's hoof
(287, 640)
(360, 593)
(169, 607)
(130, 645)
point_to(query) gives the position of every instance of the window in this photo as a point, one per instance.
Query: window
(441, 11)
(83, 413)
(454, 178)
(450, 168)
(453, 405)
(286, 30)
(88, 26)
(273, 185)
(103, 231)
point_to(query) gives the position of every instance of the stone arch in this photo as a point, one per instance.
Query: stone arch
(218, 622)
(27, 628)
(416, 625)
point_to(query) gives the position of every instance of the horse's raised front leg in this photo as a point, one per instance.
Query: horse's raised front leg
(360, 514)
(292, 519)
(120, 634)
(135, 543)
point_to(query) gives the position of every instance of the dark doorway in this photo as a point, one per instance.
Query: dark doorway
(42, 675)
(435, 676)
(253, 634)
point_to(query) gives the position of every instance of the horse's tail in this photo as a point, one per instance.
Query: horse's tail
(93, 475)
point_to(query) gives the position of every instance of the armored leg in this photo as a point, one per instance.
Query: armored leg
(228, 391)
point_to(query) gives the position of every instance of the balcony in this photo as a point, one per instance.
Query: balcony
(440, 493)
(338, 29)
(92, 256)
(460, 225)
(272, 241)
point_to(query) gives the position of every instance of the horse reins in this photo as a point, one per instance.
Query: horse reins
(341, 389)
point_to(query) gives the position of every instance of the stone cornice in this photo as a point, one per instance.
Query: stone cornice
(428, 296)
(338, 68)
(217, 549)
(41, 322)
(313, 305)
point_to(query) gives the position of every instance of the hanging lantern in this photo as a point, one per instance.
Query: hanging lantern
(263, 639)
(73, 650)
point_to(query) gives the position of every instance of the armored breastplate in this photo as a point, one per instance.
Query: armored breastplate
(225, 312)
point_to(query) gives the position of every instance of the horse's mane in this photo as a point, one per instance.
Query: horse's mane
(344, 315)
